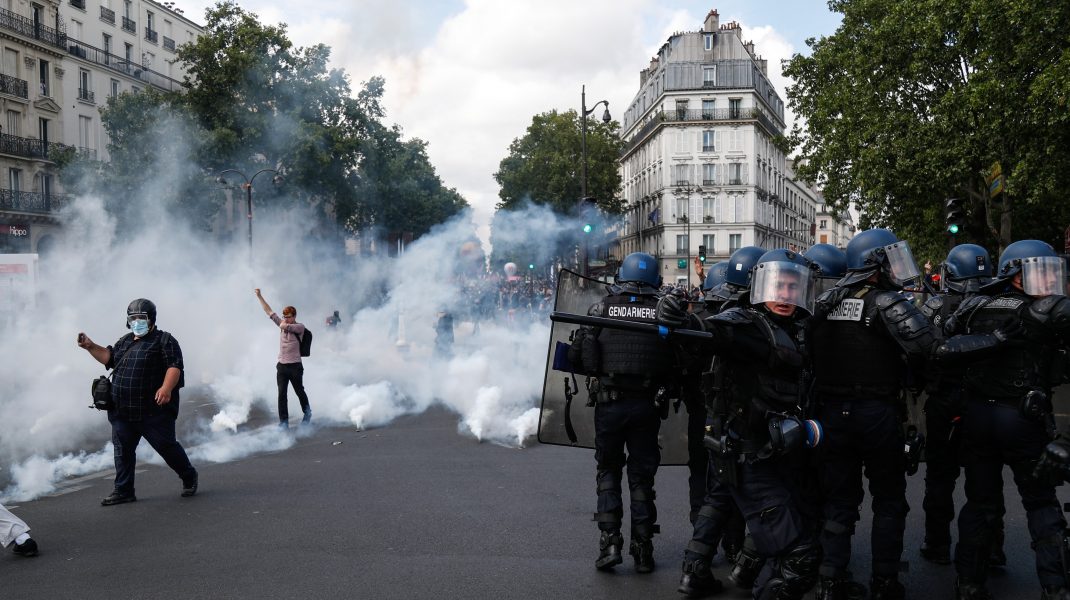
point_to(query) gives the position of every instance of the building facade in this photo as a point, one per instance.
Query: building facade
(836, 228)
(53, 81)
(700, 165)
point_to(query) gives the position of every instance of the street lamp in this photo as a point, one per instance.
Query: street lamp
(247, 185)
(584, 112)
(687, 190)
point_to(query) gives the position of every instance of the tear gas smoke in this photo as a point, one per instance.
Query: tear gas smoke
(203, 288)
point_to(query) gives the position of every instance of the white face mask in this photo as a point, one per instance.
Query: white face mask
(139, 326)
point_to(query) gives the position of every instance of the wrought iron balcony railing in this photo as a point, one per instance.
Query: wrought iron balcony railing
(717, 114)
(121, 65)
(86, 95)
(151, 35)
(29, 147)
(36, 30)
(129, 25)
(78, 4)
(107, 15)
(14, 86)
(168, 44)
(32, 202)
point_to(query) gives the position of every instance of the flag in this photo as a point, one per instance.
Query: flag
(653, 216)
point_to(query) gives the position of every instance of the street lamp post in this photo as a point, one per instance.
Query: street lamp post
(687, 190)
(584, 112)
(247, 185)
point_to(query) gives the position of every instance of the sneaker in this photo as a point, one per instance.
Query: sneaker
(118, 498)
(939, 554)
(307, 418)
(609, 547)
(189, 488)
(27, 548)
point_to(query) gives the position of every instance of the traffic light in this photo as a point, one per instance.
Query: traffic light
(955, 214)
(531, 266)
(702, 254)
(588, 228)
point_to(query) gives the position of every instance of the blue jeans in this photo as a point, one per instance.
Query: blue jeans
(159, 432)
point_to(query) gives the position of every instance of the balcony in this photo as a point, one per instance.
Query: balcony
(122, 65)
(80, 4)
(129, 25)
(151, 35)
(709, 149)
(27, 27)
(168, 44)
(735, 181)
(29, 148)
(14, 86)
(32, 202)
(86, 96)
(709, 182)
(107, 15)
(716, 114)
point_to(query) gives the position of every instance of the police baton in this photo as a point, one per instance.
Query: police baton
(661, 330)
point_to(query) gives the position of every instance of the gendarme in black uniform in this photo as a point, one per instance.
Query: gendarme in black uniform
(631, 367)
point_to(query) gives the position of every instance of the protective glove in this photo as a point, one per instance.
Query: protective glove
(671, 312)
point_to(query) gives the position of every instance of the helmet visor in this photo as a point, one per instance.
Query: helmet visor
(901, 266)
(1044, 276)
(783, 282)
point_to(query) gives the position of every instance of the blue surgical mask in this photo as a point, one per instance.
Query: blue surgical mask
(139, 326)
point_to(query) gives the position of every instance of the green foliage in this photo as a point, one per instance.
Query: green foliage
(545, 166)
(909, 103)
(254, 101)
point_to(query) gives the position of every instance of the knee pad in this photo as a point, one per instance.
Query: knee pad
(608, 481)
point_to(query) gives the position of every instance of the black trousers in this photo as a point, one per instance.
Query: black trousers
(291, 373)
(862, 436)
(629, 423)
(995, 435)
(159, 431)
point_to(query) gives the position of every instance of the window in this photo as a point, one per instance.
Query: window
(150, 20)
(127, 6)
(681, 109)
(707, 241)
(681, 244)
(42, 130)
(735, 176)
(11, 62)
(681, 174)
(148, 59)
(739, 209)
(85, 131)
(707, 109)
(707, 41)
(709, 207)
(681, 210)
(14, 179)
(735, 242)
(709, 174)
(114, 88)
(709, 76)
(76, 25)
(107, 48)
(43, 77)
(13, 120)
(46, 185)
(134, 89)
(85, 85)
(708, 137)
(824, 223)
(735, 108)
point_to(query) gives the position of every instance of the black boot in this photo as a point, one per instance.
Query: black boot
(936, 553)
(609, 547)
(884, 587)
(833, 588)
(642, 550)
(1054, 592)
(996, 556)
(697, 580)
(747, 565)
(971, 590)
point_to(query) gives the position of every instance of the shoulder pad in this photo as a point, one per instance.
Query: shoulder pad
(830, 300)
(1045, 305)
(886, 299)
(932, 306)
(972, 303)
(1053, 310)
(732, 316)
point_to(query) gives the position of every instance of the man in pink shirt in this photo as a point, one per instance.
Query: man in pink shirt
(289, 369)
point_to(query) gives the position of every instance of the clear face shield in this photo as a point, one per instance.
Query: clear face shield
(1044, 276)
(901, 266)
(783, 283)
(824, 284)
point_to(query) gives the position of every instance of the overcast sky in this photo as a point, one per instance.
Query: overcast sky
(468, 75)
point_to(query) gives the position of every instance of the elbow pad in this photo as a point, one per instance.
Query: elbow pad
(966, 344)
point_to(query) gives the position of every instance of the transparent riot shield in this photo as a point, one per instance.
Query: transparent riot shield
(566, 416)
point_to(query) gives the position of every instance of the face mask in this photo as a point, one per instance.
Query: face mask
(140, 327)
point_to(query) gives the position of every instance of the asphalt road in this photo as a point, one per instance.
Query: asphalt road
(412, 510)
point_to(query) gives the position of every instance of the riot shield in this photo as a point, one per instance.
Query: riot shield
(566, 417)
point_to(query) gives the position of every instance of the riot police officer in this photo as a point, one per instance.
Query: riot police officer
(966, 268)
(1012, 335)
(863, 334)
(831, 265)
(631, 367)
(756, 429)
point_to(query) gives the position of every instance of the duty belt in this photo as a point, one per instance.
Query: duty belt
(608, 394)
(627, 382)
(858, 390)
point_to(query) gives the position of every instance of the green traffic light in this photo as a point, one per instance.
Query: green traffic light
(531, 266)
(588, 228)
(953, 228)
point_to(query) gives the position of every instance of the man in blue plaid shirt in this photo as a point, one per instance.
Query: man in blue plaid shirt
(147, 374)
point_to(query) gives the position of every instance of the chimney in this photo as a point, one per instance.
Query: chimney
(750, 48)
(712, 21)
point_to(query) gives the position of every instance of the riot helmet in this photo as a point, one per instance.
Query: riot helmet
(715, 276)
(783, 277)
(641, 268)
(831, 263)
(967, 267)
(1043, 271)
(740, 264)
(879, 250)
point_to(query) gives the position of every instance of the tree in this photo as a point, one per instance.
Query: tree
(907, 104)
(545, 166)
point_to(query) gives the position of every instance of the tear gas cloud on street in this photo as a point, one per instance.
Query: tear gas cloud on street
(203, 287)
